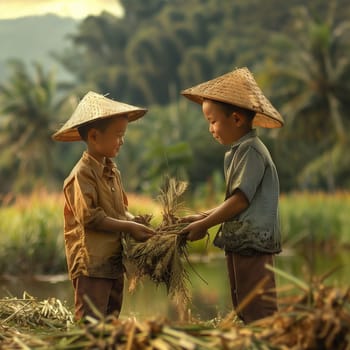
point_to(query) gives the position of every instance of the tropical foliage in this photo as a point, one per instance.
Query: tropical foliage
(27, 105)
(298, 52)
(30, 108)
(311, 71)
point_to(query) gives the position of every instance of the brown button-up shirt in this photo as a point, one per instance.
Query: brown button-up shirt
(92, 192)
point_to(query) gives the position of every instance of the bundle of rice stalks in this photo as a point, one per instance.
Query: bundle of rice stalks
(169, 200)
(160, 257)
(28, 311)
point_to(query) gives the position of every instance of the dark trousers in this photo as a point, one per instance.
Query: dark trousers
(245, 274)
(106, 295)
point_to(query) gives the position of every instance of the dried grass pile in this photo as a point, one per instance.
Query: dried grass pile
(29, 312)
(31, 315)
(315, 317)
(161, 257)
(12, 339)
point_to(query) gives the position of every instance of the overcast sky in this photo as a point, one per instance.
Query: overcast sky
(67, 8)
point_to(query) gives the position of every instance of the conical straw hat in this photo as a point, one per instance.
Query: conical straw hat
(92, 107)
(240, 89)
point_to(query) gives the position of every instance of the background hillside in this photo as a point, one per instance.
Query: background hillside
(33, 39)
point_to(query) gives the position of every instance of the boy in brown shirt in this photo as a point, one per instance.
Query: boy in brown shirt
(233, 104)
(95, 211)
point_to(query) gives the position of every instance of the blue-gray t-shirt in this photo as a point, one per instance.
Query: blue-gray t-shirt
(250, 168)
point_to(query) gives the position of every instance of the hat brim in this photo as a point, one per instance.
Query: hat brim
(71, 134)
(240, 89)
(260, 119)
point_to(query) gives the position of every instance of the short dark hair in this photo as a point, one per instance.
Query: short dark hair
(100, 124)
(229, 109)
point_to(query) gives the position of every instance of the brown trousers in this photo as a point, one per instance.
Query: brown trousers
(106, 295)
(245, 273)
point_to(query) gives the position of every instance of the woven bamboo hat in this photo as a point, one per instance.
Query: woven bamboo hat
(92, 107)
(240, 89)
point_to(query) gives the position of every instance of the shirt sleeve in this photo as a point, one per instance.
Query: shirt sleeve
(81, 196)
(247, 171)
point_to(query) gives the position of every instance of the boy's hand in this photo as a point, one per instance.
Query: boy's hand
(140, 232)
(195, 231)
(143, 219)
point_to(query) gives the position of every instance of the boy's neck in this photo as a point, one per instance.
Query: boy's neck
(244, 131)
(97, 157)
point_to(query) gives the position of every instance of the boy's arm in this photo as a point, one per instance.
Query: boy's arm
(137, 231)
(232, 206)
(198, 216)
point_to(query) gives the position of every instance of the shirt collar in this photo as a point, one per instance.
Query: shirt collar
(252, 133)
(101, 169)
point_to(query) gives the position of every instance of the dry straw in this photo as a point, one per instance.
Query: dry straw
(311, 317)
(28, 311)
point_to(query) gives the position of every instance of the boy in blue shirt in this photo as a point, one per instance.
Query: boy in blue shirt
(232, 104)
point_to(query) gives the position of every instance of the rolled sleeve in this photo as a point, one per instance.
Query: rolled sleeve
(249, 168)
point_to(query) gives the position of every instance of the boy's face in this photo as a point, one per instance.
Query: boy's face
(223, 127)
(108, 142)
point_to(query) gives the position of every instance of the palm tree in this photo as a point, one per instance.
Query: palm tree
(311, 72)
(28, 110)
